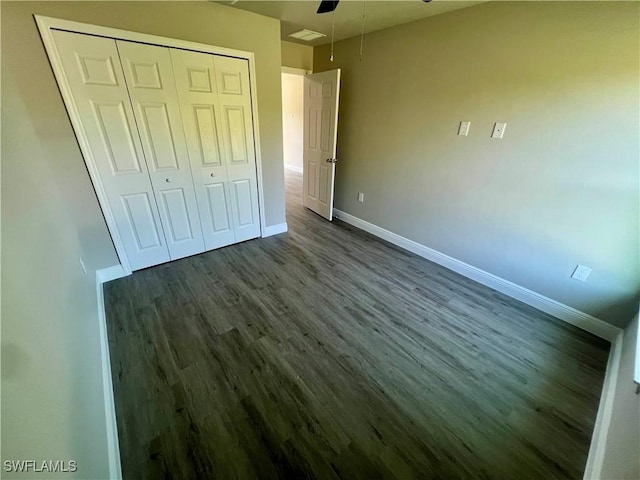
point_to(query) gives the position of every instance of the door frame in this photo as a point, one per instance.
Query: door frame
(295, 71)
(47, 24)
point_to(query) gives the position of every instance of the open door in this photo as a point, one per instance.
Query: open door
(321, 92)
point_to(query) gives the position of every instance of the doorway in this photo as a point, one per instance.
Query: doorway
(310, 123)
(293, 131)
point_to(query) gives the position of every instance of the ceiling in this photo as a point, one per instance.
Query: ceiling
(379, 14)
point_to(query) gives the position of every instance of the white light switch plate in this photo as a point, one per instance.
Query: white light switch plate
(498, 130)
(581, 273)
(464, 128)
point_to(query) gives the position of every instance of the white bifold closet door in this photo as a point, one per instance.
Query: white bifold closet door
(216, 110)
(171, 134)
(93, 71)
(149, 76)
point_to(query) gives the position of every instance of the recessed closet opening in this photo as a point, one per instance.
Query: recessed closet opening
(168, 130)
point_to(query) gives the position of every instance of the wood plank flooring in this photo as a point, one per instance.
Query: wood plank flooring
(326, 353)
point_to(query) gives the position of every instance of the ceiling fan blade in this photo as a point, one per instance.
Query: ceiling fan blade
(327, 6)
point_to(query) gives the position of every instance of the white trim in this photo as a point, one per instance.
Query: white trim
(256, 138)
(47, 24)
(274, 230)
(293, 168)
(295, 71)
(563, 312)
(593, 469)
(105, 275)
(636, 367)
(113, 447)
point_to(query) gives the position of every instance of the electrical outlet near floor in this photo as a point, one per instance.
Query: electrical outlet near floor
(581, 273)
(361, 197)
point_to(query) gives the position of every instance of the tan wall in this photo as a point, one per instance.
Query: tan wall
(292, 121)
(297, 56)
(560, 189)
(52, 399)
(621, 460)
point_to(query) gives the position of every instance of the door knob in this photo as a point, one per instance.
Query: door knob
(168, 180)
(332, 160)
(212, 174)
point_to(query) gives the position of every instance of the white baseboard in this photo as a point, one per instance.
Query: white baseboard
(105, 275)
(563, 312)
(593, 469)
(293, 168)
(102, 276)
(274, 229)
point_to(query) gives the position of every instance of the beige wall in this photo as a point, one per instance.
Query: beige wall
(292, 121)
(622, 450)
(560, 189)
(297, 56)
(52, 399)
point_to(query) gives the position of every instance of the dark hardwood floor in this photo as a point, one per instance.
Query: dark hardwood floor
(326, 353)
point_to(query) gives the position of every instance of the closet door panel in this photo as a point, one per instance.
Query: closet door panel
(218, 203)
(232, 79)
(196, 84)
(149, 76)
(93, 71)
(140, 215)
(244, 201)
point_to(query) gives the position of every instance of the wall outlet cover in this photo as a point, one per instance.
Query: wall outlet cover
(464, 128)
(498, 130)
(581, 273)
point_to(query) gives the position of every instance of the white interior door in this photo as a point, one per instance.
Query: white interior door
(321, 97)
(149, 76)
(234, 94)
(98, 88)
(196, 83)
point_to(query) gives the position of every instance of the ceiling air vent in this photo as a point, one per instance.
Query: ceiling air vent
(306, 35)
